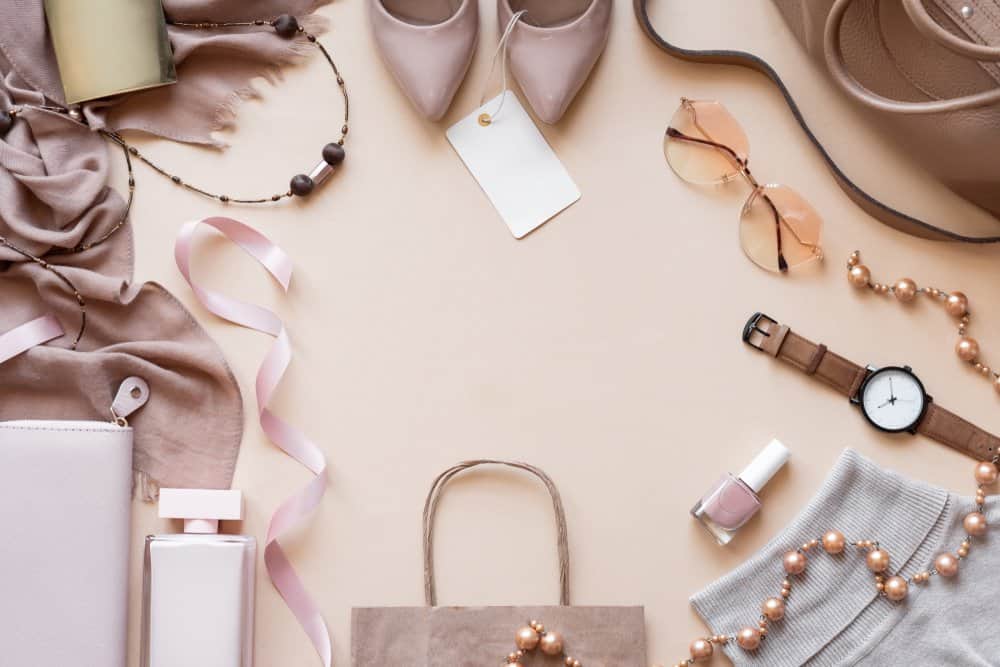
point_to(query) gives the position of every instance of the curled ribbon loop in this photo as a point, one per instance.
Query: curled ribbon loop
(290, 439)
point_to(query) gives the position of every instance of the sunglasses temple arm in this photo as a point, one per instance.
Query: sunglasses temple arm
(782, 263)
(677, 134)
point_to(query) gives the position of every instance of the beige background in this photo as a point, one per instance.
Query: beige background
(604, 348)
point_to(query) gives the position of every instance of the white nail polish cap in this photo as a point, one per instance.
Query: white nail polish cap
(201, 509)
(765, 465)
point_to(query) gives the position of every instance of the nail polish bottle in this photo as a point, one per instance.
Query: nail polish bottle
(198, 586)
(731, 501)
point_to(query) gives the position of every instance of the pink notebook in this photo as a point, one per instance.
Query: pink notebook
(65, 503)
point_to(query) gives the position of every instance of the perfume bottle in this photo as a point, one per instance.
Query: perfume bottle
(731, 501)
(198, 586)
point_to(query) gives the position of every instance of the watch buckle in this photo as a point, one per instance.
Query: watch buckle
(754, 334)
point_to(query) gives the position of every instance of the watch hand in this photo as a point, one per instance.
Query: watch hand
(892, 392)
(886, 403)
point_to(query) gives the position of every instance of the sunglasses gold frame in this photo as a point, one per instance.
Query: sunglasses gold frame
(741, 167)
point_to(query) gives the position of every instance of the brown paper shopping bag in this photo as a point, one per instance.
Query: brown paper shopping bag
(433, 636)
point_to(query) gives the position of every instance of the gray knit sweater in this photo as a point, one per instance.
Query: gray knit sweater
(834, 616)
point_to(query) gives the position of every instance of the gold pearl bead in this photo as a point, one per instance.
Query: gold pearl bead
(854, 259)
(526, 639)
(957, 304)
(552, 643)
(833, 542)
(975, 524)
(967, 348)
(896, 588)
(859, 275)
(996, 383)
(701, 649)
(794, 562)
(748, 638)
(877, 560)
(905, 290)
(774, 609)
(946, 565)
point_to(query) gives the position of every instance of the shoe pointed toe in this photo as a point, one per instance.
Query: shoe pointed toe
(428, 61)
(551, 64)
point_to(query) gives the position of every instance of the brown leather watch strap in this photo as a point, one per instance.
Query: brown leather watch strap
(779, 341)
(811, 358)
(948, 428)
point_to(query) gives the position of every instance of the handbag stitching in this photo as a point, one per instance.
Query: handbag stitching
(973, 33)
(63, 430)
(988, 11)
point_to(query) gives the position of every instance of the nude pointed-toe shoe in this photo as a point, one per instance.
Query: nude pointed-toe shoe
(427, 45)
(554, 47)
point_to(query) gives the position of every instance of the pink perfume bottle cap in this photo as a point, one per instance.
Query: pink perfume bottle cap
(201, 509)
(765, 465)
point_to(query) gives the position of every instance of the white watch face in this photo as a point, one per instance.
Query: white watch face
(893, 399)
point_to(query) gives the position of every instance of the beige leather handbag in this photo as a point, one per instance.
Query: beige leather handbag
(434, 636)
(929, 70)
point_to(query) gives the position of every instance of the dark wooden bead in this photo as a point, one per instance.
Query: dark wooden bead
(224, 198)
(301, 185)
(6, 121)
(286, 26)
(333, 154)
(176, 179)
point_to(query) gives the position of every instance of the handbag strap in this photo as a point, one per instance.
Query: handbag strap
(835, 62)
(869, 204)
(430, 510)
(930, 28)
(25, 336)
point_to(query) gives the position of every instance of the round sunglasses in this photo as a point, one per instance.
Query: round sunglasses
(705, 145)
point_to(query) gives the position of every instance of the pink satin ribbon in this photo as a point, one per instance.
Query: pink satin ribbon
(291, 440)
(26, 336)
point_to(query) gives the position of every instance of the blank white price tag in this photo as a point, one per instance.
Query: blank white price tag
(514, 165)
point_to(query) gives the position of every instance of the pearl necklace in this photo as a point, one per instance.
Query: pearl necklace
(956, 303)
(890, 586)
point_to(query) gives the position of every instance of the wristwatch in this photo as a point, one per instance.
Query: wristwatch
(891, 398)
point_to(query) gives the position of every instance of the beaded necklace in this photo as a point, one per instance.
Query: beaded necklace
(955, 303)
(752, 637)
(301, 185)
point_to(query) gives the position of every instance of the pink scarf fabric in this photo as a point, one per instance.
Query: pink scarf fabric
(54, 195)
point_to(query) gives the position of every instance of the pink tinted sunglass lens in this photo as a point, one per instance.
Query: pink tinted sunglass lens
(688, 145)
(780, 230)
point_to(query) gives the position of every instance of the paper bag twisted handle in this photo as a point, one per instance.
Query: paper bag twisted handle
(430, 510)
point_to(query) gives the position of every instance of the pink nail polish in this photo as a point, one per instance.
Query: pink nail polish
(731, 501)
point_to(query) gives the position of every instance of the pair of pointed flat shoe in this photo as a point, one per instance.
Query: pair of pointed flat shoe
(428, 46)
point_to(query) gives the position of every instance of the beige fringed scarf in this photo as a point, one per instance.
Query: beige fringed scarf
(54, 195)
